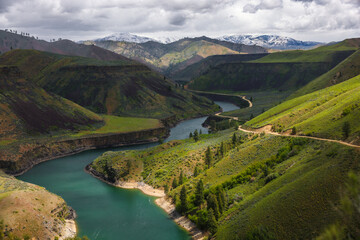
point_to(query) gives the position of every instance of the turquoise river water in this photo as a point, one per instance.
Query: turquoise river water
(106, 212)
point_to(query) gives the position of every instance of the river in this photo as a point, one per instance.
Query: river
(106, 212)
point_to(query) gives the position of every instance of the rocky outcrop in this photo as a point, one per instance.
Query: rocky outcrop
(21, 157)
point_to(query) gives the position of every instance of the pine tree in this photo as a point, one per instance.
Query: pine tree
(196, 135)
(196, 171)
(346, 129)
(213, 204)
(234, 139)
(174, 183)
(222, 149)
(181, 178)
(212, 223)
(190, 135)
(208, 157)
(199, 193)
(183, 200)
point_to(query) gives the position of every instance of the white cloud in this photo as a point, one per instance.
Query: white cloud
(75, 19)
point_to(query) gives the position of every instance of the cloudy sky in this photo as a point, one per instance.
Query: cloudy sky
(319, 20)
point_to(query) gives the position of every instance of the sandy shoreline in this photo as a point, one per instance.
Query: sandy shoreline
(69, 230)
(145, 188)
(162, 202)
(180, 220)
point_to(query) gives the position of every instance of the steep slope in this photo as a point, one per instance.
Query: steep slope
(197, 69)
(111, 87)
(271, 41)
(289, 70)
(175, 56)
(27, 109)
(41, 214)
(9, 41)
(323, 113)
(345, 70)
(288, 186)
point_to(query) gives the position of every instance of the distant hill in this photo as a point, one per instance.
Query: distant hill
(9, 41)
(288, 70)
(271, 41)
(125, 37)
(345, 70)
(112, 87)
(197, 69)
(28, 109)
(175, 56)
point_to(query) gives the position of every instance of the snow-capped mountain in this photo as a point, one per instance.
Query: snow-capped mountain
(270, 41)
(167, 40)
(126, 37)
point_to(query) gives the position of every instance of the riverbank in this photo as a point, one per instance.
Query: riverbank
(180, 220)
(161, 201)
(69, 230)
(18, 159)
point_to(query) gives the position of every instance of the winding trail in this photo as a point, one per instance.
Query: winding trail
(224, 94)
(267, 129)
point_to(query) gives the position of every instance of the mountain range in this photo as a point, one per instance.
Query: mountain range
(271, 41)
(267, 41)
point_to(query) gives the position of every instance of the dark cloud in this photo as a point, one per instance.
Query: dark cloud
(263, 5)
(178, 20)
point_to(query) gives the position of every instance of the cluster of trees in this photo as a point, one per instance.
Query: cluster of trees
(195, 135)
(21, 33)
(215, 126)
(203, 207)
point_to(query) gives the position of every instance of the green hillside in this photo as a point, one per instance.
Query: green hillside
(286, 185)
(28, 109)
(258, 76)
(287, 70)
(323, 113)
(345, 70)
(199, 68)
(124, 88)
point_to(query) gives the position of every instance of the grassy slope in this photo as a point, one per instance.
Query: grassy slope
(27, 109)
(199, 68)
(30, 210)
(345, 70)
(321, 113)
(114, 124)
(111, 87)
(288, 70)
(297, 204)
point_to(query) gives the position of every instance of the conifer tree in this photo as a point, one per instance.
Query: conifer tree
(181, 178)
(174, 183)
(212, 223)
(183, 200)
(208, 157)
(213, 204)
(234, 139)
(199, 193)
(196, 135)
